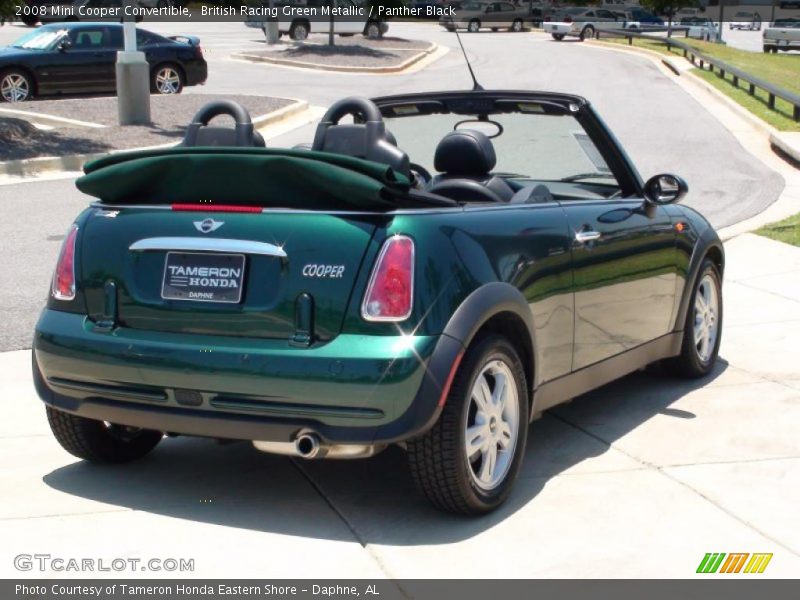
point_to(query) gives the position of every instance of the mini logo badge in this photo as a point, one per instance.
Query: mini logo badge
(208, 225)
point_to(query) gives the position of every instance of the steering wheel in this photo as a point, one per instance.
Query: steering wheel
(422, 172)
(464, 190)
(243, 132)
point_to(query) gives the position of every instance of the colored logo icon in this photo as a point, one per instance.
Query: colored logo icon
(741, 562)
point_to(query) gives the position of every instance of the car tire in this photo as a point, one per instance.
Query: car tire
(516, 25)
(439, 461)
(474, 26)
(167, 80)
(299, 31)
(495, 29)
(98, 441)
(29, 20)
(15, 86)
(372, 31)
(557, 36)
(702, 331)
(587, 32)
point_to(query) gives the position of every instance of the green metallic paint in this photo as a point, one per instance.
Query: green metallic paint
(592, 307)
(371, 372)
(272, 284)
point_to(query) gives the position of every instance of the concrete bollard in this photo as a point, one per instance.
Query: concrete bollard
(133, 88)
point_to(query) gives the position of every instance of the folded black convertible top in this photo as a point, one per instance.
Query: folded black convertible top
(265, 177)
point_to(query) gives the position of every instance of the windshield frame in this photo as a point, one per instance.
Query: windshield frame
(484, 103)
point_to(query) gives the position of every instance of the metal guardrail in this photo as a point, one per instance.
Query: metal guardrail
(700, 59)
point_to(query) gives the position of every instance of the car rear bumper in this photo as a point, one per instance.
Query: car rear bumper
(558, 28)
(355, 389)
(782, 44)
(196, 72)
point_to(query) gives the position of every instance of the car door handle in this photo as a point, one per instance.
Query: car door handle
(583, 237)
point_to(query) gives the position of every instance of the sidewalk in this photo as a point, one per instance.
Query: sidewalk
(638, 479)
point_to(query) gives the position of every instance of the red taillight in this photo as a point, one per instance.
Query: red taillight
(391, 287)
(567, 19)
(198, 52)
(64, 277)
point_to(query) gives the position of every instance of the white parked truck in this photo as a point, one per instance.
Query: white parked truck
(783, 34)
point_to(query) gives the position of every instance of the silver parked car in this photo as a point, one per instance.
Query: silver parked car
(474, 16)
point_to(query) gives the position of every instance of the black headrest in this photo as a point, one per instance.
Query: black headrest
(465, 152)
(366, 138)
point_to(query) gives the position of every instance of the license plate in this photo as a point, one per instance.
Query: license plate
(783, 42)
(203, 277)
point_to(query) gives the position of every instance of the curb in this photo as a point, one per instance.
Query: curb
(337, 68)
(30, 167)
(46, 120)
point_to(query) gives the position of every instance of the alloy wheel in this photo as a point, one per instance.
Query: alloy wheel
(168, 81)
(706, 317)
(300, 33)
(492, 425)
(15, 88)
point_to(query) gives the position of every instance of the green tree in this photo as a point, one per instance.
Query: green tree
(8, 10)
(669, 8)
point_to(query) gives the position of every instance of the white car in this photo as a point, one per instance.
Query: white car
(701, 28)
(783, 34)
(581, 22)
(746, 21)
(300, 28)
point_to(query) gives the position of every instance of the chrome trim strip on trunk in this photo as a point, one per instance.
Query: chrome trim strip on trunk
(198, 244)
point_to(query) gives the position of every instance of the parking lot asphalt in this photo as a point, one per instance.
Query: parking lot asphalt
(638, 479)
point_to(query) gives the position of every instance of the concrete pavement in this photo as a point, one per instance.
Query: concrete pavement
(638, 479)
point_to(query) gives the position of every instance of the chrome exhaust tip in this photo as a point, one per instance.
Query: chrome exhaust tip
(307, 445)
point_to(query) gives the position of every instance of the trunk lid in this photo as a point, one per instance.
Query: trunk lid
(259, 274)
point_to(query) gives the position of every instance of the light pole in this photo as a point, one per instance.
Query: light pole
(271, 26)
(133, 78)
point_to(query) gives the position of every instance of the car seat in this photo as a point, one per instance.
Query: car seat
(465, 159)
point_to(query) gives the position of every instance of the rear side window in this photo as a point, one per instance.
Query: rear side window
(90, 38)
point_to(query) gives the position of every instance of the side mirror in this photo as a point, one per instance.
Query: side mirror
(64, 45)
(665, 189)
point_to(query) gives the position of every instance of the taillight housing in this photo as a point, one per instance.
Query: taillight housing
(390, 293)
(567, 19)
(63, 287)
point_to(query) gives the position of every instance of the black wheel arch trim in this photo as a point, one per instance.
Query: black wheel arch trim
(706, 242)
(487, 302)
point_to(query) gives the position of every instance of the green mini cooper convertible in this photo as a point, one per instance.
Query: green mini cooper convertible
(432, 270)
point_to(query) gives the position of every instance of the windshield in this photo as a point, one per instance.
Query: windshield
(41, 39)
(538, 147)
